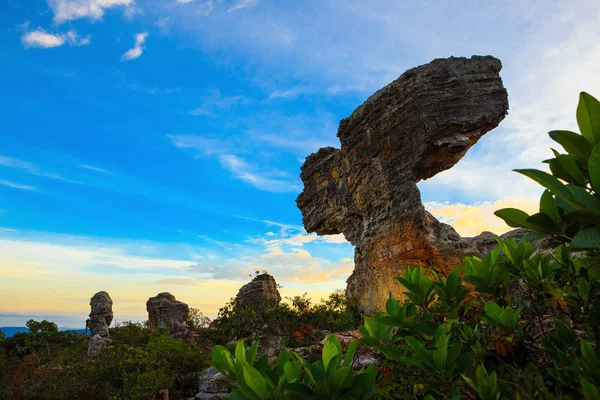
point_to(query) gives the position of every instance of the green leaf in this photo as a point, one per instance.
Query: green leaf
(255, 381)
(547, 181)
(350, 352)
(573, 143)
(392, 307)
(342, 378)
(514, 218)
(594, 169)
(301, 389)
(240, 351)
(569, 164)
(331, 349)
(542, 222)
(588, 117)
(548, 205)
(292, 371)
(587, 239)
(251, 355)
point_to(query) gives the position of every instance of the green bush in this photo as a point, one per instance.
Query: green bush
(291, 377)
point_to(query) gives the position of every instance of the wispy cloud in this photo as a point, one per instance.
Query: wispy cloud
(270, 180)
(40, 38)
(242, 4)
(137, 49)
(32, 169)
(17, 185)
(96, 169)
(184, 1)
(292, 92)
(214, 102)
(69, 10)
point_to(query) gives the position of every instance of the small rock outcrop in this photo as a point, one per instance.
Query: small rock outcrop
(101, 314)
(260, 294)
(96, 345)
(166, 311)
(417, 126)
(213, 384)
(100, 318)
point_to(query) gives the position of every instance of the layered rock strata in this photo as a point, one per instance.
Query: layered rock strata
(417, 126)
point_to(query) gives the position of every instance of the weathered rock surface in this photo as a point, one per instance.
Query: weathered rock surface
(419, 125)
(96, 345)
(260, 294)
(213, 384)
(101, 314)
(166, 311)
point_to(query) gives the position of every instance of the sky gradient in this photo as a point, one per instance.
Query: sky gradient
(151, 146)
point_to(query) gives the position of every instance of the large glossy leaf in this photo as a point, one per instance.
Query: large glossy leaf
(574, 143)
(548, 205)
(594, 169)
(542, 222)
(514, 218)
(331, 349)
(588, 117)
(568, 163)
(251, 355)
(587, 239)
(240, 352)
(342, 378)
(546, 180)
(392, 307)
(350, 352)
(255, 381)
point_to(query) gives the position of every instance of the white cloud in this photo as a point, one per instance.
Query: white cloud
(291, 93)
(40, 38)
(205, 8)
(164, 24)
(269, 180)
(137, 49)
(472, 219)
(17, 185)
(69, 10)
(32, 169)
(96, 169)
(214, 102)
(242, 4)
(184, 1)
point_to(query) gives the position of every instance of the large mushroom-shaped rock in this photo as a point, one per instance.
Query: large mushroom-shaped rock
(417, 126)
(166, 311)
(260, 294)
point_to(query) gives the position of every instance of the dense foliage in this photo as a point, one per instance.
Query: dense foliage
(46, 363)
(520, 323)
(299, 320)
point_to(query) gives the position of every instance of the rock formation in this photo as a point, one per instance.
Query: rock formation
(417, 126)
(101, 316)
(166, 311)
(260, 294)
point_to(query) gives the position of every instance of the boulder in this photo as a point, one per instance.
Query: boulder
(260, 295)
(166, 311)
(213, 384)
(96, 345)
(417, 126)
(101, 314)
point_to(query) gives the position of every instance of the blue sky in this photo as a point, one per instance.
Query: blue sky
(151, 146)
